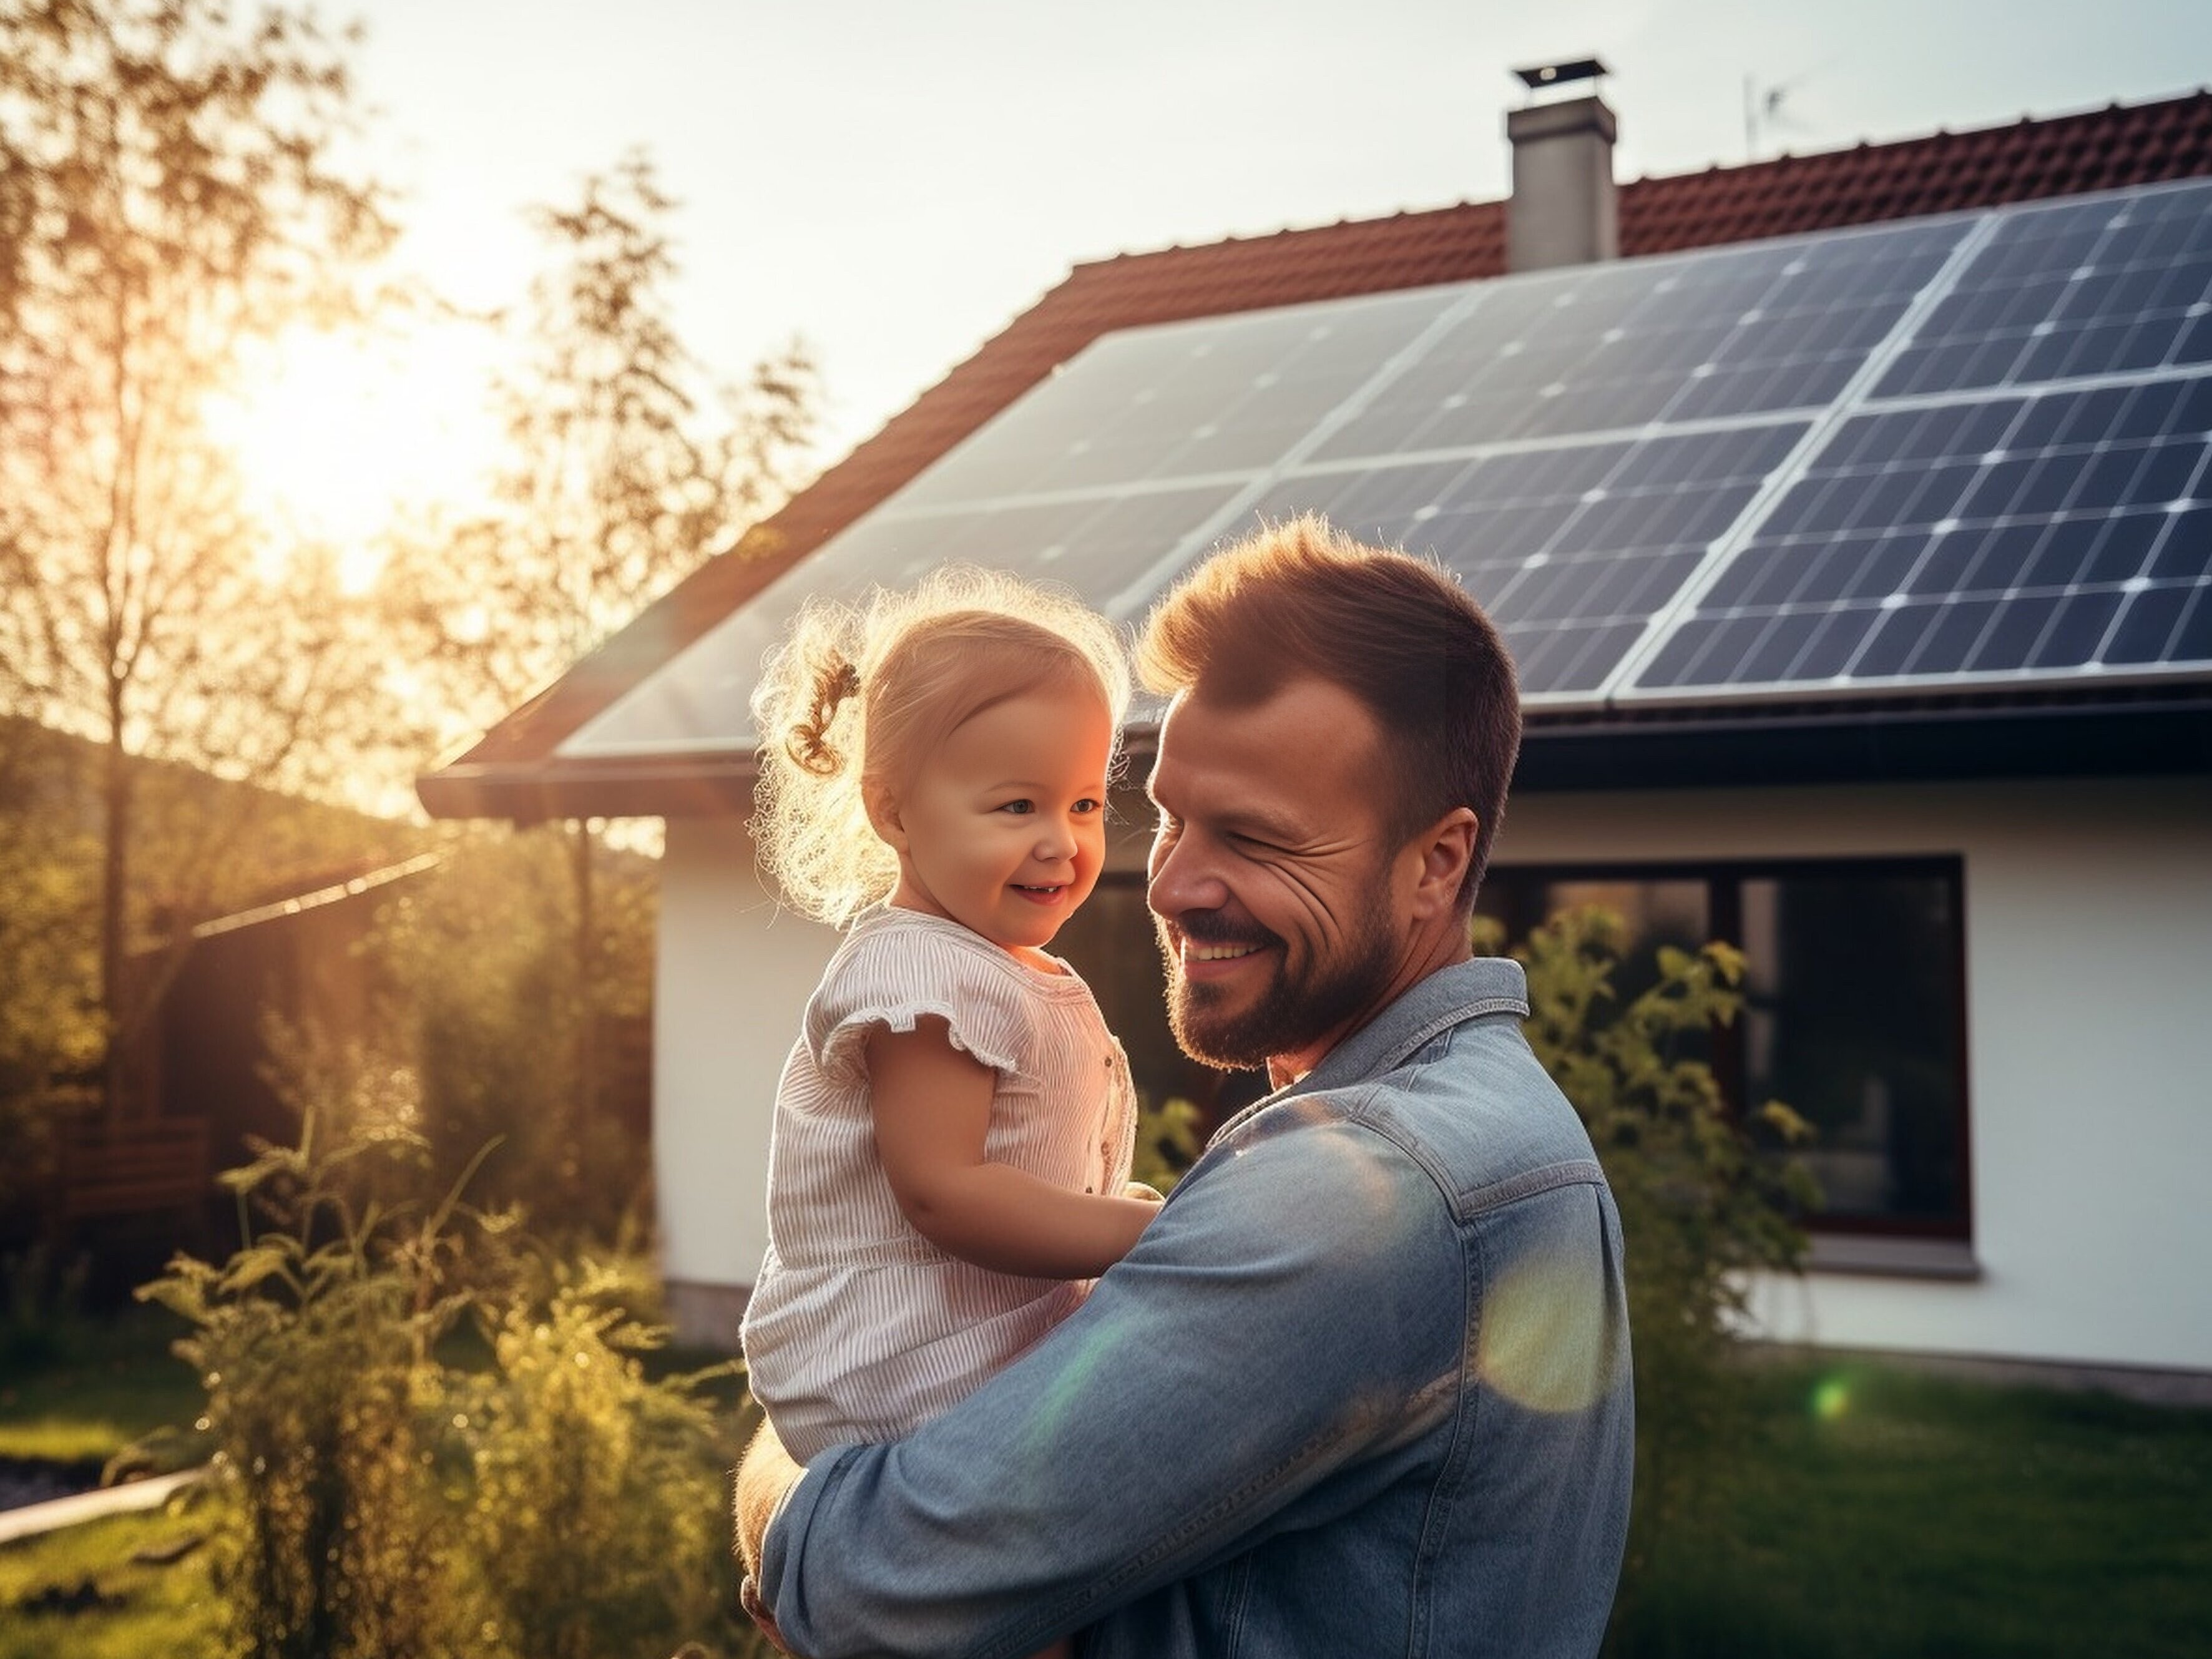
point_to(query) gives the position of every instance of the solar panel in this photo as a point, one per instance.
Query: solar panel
(1738, 331)
(1938, 536)
(2111, 284)
(1227, 395)
(1962, 450)
(1571, 547)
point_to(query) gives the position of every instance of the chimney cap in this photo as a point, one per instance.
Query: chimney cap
(1552, 75)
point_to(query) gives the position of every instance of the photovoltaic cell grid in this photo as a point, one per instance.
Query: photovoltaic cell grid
(1616, 460)
(2056, 532)
(1571, 549)
(1230, 396)
(1740, 331)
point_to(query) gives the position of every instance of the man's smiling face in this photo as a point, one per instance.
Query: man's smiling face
(1271, 875)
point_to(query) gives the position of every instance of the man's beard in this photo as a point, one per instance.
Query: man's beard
(1291, 1015)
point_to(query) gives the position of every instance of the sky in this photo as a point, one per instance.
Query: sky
(893, 182)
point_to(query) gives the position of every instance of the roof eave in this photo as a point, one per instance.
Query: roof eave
(2165, 733)
(526, 792)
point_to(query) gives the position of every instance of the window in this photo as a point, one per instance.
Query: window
(1854, 1011)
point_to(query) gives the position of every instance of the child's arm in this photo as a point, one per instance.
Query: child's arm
(931, 1105)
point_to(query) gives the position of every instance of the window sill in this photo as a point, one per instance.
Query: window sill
(1893, 1258)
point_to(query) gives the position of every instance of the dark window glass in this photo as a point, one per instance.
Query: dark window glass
(1854, 1012)
(1852, 1019)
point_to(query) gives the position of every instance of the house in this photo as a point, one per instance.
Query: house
(1852, 529)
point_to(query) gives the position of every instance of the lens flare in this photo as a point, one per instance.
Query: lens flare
(1831, 1398)
(1542, 1336)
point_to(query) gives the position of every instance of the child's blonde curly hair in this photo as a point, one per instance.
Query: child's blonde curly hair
(858, 694)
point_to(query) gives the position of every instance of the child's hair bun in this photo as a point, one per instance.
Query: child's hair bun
(808, 743)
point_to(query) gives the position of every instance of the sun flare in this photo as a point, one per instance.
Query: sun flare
(338, 436)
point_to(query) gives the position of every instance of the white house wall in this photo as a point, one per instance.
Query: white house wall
(2088, 920)
(734, 975)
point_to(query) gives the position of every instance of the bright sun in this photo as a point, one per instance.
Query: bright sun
(339, 435)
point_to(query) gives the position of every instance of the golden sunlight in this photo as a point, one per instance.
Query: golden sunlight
(338, 436)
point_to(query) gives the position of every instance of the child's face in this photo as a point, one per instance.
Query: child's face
(1003, 828)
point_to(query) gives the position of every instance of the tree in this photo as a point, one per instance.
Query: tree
(168, 193)
(627, 469)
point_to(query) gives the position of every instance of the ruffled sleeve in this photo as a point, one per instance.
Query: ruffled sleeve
(890, 976)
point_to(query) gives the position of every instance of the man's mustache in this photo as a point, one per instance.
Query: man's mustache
(1212, 927)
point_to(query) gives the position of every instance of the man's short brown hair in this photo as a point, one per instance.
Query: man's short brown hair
(1302, 599)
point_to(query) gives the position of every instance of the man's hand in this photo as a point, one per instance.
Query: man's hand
(764, 1476)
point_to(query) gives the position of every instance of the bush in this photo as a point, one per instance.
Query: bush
(313, 1342)
(1167, 1142)
(1701, 1210)
(377, 1496)
(488, 1007)
(598, 1515)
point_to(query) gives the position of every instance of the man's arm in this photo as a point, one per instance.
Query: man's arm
(1297, 1310)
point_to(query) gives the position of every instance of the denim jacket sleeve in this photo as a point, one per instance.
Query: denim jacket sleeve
(1293, 1320)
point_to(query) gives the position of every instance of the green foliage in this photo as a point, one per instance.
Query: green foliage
(1700, 1209)
(479, 959)
(596, 1517)
(1169, 1142)
(378, 1494)
(313, 1342)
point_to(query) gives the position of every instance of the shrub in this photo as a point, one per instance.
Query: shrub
(1167, 1142)
(382, 1493)
(596, 1518)
(313, 1342)
(1700, 1209)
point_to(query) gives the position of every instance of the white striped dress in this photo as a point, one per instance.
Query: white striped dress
(859, 1327)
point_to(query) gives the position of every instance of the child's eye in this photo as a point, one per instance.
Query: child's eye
(1087, 805)
(1018, 807)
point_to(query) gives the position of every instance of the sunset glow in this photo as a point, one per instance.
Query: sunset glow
(338, 436)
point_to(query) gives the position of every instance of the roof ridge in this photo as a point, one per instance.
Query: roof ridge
(1169, 251)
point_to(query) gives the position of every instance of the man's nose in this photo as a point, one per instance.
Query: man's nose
(1183, 878)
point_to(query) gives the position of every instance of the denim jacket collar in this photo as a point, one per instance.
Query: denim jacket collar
(1450, 996)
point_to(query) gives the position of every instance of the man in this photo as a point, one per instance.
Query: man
(1362, 1388)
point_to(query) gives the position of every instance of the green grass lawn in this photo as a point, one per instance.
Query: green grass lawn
(1882, 1512)
(1873, 1512)
(81, 1593)
(105, 1385)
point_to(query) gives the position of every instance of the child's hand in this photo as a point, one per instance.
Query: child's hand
(1138, 1190)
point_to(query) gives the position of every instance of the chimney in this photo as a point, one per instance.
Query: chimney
(1564, 208)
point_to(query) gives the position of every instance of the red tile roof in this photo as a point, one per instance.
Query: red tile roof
(512, 770)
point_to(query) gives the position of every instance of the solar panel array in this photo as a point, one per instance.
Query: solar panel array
(1949, 453)
(2021, 497)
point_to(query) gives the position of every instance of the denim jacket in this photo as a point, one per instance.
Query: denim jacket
(1362, 1388)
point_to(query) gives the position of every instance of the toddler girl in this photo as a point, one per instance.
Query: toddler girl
(954, 1125)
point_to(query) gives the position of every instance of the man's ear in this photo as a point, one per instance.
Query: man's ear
(1443, 850)
(883, 808)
